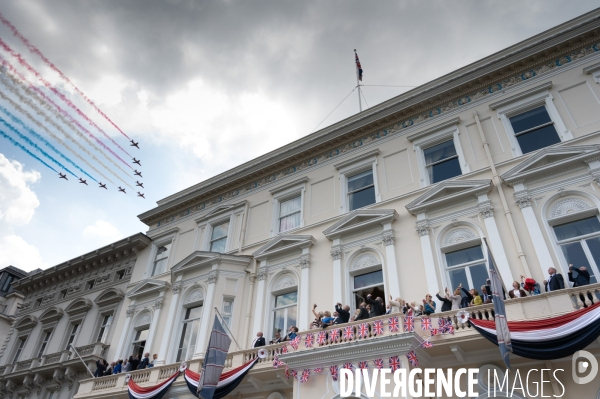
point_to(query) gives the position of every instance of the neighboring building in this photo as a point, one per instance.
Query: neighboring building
(70, 305)
(10, 301)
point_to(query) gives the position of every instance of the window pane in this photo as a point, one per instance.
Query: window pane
(457, 277)
(279, 321)
(575, 255)
(289, 206)
(594, 246)
(289, 222)
(479, 274)
(141, 335)
(439, 152)
(368, 279)
(220, 231)
(530, 119)
(160, 266)
(464, 256)
(362, 198)
(193, 313)
(218, 245)
(183, 341)
(360, 180)
(291, 317)
(286, 299)
(163, 251)
(577, 228)
(539, 138)
(444, 170)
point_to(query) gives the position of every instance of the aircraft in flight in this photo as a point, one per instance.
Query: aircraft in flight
(122, 190)
(103, 186)
(135, 172)
(134, 144)
(141, 195)
(61, 176)
(136, 161)
(137, 183)
(82, 181)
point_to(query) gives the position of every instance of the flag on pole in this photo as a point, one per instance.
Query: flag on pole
(359, 70)
(214, 360)
(502, 331)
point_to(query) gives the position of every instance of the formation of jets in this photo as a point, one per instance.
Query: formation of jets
(121, 189)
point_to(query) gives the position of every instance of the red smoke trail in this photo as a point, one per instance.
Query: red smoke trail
(35, 50)
(31, 69)
(60, 110)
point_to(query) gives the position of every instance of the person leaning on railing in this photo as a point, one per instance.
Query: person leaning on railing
(517, 291)
(428, 305)
(580, 277)
(446, 302)
(455, 298)
(396, 305)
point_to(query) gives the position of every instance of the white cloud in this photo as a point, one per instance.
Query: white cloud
(17, 206)
(102, 230)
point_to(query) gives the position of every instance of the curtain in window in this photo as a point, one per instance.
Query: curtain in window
(289, 212)
(439, 152)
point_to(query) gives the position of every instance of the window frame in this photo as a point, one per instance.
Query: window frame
(18, 350)
(110, 312)
(7, 282)
(353, 166)
(72, 323)
(186, 304)
(184, 321)
(469, 243)
(159, 242)
(273, 309)
(41, 348)
(224, 314)
(284, 193)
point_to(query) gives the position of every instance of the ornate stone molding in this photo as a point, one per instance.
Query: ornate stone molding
(422, 229)
(213, 277)
(524, 201)
(130, 312)
(304, 262)
(39, 382)
(486, 210)
(158, 303)
(388, 239)
(336, 253)
(260, 276)
(177, 289)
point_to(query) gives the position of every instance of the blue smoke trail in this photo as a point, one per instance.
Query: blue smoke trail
(24, 149)
(34, 145)
(43, 140)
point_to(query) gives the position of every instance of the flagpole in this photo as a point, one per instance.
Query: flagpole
(358, 84)
(85, 365)
(227, 327)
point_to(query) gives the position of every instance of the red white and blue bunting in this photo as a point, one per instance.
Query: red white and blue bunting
(227, 382)
(155, 392)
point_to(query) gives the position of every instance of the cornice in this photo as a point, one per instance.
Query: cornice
(433, 129)
(358, 158)
(526, 93)
(290, 184)
(592, 68)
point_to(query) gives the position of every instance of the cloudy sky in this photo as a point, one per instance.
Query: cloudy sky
(205, 86)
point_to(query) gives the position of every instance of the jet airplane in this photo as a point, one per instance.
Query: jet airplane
(134, 144)
(135, 172)
(103, 186)
(141, 195)
(82, 181)
(122, 190)
(61, 176)
(137, 183)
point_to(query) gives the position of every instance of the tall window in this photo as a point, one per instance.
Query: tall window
(161, 258)
(290, 213)
(74, 330)
(580, 243)
(189, 333)
(442, 162)
(104, 328)
(534, 129)
(361, 190)
(20, 346)
(284, 312)
(218, 239)
(467, 266)
(227, 310)
(139, 342)
(44, 343)
(368, 283)
(7, 282)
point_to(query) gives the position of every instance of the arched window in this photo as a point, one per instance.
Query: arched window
(190, 324)
(285, 303)
(464, 257)
(576, 230)
(140, 333)
(366, 277)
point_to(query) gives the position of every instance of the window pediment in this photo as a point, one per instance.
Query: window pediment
(447, 193)
(358, 220)
(109, 297)
(79, 306)
(200, 259)
(221, 209)
(148, 286)
(26, 323)
(51, 315)
(284, 243)
(550, 161)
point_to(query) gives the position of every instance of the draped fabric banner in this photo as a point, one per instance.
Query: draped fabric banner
(550, 338)
(155, 392)
(227, 382)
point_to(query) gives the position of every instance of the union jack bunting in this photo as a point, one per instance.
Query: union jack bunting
(322, 338)
(441, 322)
(294, 374)
(394, 324)
(449, 330)
(409, 324)
(409, 312)
(363, 365)
(378, 363)
(363, 330)
(426, 324)
(284, 349)
(334, 372)
(435, 331)
(349, 333)
(412, 358)
(309, 339)
(335, 335)
(276, 362)
(426, 344)
(318, 370)
(287, 373)
(304, 376)
(295, 342)
(377, 327)
(395, 363)
(348, 366)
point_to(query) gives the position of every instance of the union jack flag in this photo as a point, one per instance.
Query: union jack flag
(294, 374)
(322, 338)
(276, 362)
(377, 327)
(394, 324)
(412, 358)
(426, 324)
(409, 324)
(378, 363)
(348, 366)
(441, 322)
(363, 330)
(335, 335)
(284, 349)
(318, 370)
(395, 363)
(427, 344)
(287, 373)
(450, 330)
(435, 331)
(295, 342)
(304, 376)
(358, 67)
(349, 333)
(363, 365)
(334, 372)
(309, 339)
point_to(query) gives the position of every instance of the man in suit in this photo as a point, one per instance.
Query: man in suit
(376, 306)
(343, 313)
(580, 277)
(555, 281)
(144, 362)
(259, 340)
(486, 294)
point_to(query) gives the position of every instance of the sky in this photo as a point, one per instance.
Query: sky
(204, 86)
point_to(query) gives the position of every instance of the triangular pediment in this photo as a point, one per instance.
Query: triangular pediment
(447, 193)
(220, 210)
(203, 259)
(284, 243)
(146, 287)
(359, 219)
(550, 162)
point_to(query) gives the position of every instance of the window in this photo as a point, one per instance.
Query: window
(104, 328)
(227, 310)
(44, 343)
(72, 336)
(534, 129)
(63, 294)
(580, 243)
(7, 282)
(468, 267)
(189, 333)
(284, 312)
(90, 284)
(441, 161)
(290, 212)
(38, 302)
(218, 239)
(161, 258)
(20, 346)
(361, 190)
(120, 274)
(368, 283)
(139, 342)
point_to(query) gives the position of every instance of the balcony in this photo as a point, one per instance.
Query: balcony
(337, 346)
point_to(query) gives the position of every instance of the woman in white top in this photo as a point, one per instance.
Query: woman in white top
(397, 305)
(517, 291)
(454, 298)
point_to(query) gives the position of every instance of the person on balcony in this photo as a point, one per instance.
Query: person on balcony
(555, 281)
(476, 301)
(318, 322)
(109, 369)
(465, 301)
(276, 339)
(517, 291)
(377, 308)
(530, 286)
(580, 277)
(343, 312)
(428, 305)
(259, 340)
(396, 306)
(118, 367)
(361, 313)
(100, 368)
(456, 298)
(134, 361)
(145, 361)
(446, 302)
(292, 333)
(486, 294)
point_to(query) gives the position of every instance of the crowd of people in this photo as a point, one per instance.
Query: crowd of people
(135, 362)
